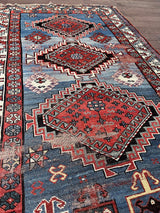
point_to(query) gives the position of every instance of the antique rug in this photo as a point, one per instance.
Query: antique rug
(79, 112)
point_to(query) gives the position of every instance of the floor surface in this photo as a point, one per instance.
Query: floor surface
(143, 14)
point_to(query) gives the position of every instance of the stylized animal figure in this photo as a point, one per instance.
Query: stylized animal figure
(153, 205)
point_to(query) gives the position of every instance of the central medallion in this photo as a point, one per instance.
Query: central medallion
(76, 58)
(105, 120)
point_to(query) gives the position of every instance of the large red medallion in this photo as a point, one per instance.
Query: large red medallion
(105, 120)
(105, 135)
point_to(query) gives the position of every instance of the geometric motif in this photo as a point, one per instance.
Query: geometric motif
(100, 37)
(13, 99)
(74, 145)
(104, 132)
(14, 91)
(36, 157)
(39, 187)
(128, 77)
(76, 58)
(65, 26)
(50, 205)
(41, 83)
(13, 130)
(10, 200)
(4, 25)
(83, 179)
(12, 142)
(147, 64)
(11, 162)
(10, 181)
(12, 123)
(33, 47)
(57, 173)
(37, 37)
(13, 107)
(13, 118)
(94, 115)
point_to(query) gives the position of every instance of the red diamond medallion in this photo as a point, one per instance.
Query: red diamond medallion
(105, 120)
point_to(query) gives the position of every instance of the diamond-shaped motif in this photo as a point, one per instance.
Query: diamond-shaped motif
(100, 37)
(68, 143)
(10, 181)
(10, 200)
(65, 26)
(41, 82)
(37, 37)
(128, 77)
(76, 58)
(99, 132)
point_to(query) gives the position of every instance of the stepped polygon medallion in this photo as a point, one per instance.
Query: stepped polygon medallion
(113, 127)
(65, 26)
(108, 126)
(76, 58)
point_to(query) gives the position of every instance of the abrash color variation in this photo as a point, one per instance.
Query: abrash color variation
(79, 112)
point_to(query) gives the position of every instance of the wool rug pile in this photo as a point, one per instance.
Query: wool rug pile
(79, 112)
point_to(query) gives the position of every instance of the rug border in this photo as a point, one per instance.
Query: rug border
(137, 30)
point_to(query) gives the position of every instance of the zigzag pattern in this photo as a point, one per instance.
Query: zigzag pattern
(81, 153)
(100, 164)
(92, 73)
(81, 32)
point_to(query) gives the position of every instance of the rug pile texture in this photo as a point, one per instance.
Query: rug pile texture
(79, 112)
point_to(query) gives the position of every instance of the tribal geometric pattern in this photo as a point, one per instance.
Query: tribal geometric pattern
(56, 132)
(37, 37)
(40, 82)
(102, 129)
(75, 58)
(100, 37)
(65, 26)
(128, 77)
(79, 112)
